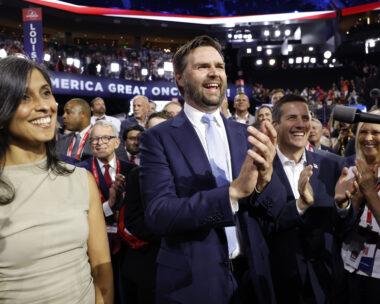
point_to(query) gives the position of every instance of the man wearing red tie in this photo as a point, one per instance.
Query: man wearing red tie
(131, 138)
(76, 117)
(110, 174)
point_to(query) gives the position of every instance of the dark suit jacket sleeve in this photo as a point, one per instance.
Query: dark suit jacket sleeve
(134, 209)
(168, 212)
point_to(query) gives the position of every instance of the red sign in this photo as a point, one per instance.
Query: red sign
(31, 14)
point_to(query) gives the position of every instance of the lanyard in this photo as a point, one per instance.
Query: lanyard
(235, 118)
(96, 175)
(80, 148)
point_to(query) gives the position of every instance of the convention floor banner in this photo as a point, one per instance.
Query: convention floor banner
(33, 41)
(76, 84)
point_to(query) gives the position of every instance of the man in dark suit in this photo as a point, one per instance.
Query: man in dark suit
(212, 251)
(110, 174)
(305, 211)
(140, 106)
(76, 117)
(315, 136)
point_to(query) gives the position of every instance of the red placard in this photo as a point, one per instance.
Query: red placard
(31, 14)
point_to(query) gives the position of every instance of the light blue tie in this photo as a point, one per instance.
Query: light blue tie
(218, 161)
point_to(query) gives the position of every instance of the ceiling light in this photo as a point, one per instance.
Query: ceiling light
(269, 52)
(272, 61)
(327, 54)
(115, 67)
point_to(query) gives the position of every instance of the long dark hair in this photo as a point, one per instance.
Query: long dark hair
(14, 74)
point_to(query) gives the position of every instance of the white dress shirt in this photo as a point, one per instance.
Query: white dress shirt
(116, 122)
(112, 171)
(195, 117)
(137, 157)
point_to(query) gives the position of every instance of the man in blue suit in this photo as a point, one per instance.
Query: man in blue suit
(212, 250)
(110, 174)
(305, 212)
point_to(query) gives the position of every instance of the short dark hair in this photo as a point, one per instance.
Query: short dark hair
(276, 114)
(132, 128)
(83, 104)
(93, 100)
(14, 74)
(180, 57)
(277, 91)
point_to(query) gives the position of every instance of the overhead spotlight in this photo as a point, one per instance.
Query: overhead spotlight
(69, 61)
(277, 33)
(3, 53)
(160, 71)
(269, 52)
(245, 36)
(306, 59)
(272, 61)
(331, 65)
(259, 62)
(77, 63)
(287, 32)
(249, 36)
(290, 48)
(325, 61)
(333, 60)
(115, 67)
(229, 36)
(144, 71)
(311, 49)
(291, 61)
(259, 48)
(299, 60)
(240, 36)
(47, 57)
(168, 66)
(249, 50)
(313, 60)
(266, 33)
(235, 36)
(327, 54)
(98, 67)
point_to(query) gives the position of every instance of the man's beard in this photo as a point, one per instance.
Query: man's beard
(201, 99)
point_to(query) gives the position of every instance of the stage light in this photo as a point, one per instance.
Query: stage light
(98, 67)
(229, 36)
(306, 59)
(249, 36)
(115, 67)
(325, 61)
(240, 36)
(277, 33)
(371, 43)
(291, 61)
(299, 60)
(249, 50)
(3, 53)
(144, 71)
(311, 49)
(327, 54)
(333, 60)
(266, 33)
(272, 61)
(168, 66)
(290, 48)
(76, 63)
(269, 52)
(160, 71)
(69, 61)
(313, 60)
(259, 62)
(235, 36)
(47, 57)
(259, 48)
(287, 32)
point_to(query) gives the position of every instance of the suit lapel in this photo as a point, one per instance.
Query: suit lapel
(238, 151)
(102, 182)
(188, 142)
(282, 175)
(311, 160)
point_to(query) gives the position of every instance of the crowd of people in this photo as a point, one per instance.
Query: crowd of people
(199, 203)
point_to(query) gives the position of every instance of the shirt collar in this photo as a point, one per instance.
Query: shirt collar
(112, 163)
(83, 132)
(195, 116)
(285, 161)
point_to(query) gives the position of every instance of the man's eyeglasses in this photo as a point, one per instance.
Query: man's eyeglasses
(105, 139)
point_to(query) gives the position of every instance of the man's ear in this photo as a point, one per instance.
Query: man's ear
(179, 79)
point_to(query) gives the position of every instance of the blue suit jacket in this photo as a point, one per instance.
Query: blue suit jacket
(185, 207)
(305, 248)
(125, 168)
